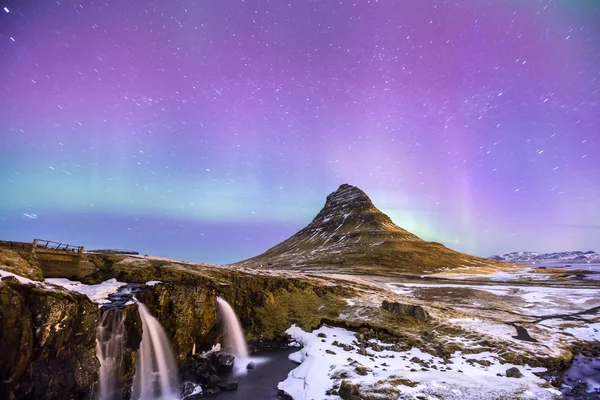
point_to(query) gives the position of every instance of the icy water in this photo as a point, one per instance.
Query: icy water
(583, 376)
(261, 382)
(593, 268)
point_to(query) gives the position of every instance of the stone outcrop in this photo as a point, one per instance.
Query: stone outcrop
(352, 235)
(186, 312)
(408, 310)
(20, 262)
(47, 342)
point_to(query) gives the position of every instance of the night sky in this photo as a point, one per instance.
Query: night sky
(211, 130)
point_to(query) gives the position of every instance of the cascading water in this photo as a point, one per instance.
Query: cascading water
(235, 343)
(156, 372)
(109, 349)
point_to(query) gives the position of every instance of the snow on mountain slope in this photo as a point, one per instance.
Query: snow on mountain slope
(528, 256)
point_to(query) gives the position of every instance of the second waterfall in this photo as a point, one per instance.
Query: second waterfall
(235, 343)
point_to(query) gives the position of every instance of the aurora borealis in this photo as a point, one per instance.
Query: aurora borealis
(211, 130)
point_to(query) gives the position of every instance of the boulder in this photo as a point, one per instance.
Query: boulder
(409, 310)
(349, 391)
(513, 373)
(228, 386)
(223, 361)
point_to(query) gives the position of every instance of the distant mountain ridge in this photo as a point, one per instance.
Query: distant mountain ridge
(530, 256)
(350, 234)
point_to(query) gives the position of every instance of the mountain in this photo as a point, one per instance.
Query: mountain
(351, 235)
(566, 256)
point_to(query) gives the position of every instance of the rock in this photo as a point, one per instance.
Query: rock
(579, 388)
(191, 391)
(196, 368)
(410, 310)
(361, 370)
(22, 263)
(251, 365)
(213, 380)
(513, 373)
(210, 391)
(223, 361)
(376, 347)
(47, 342)
(186, 312)
(416, 360)
(330, 352)
(321, 335)
(349, 391)
(362, 351)
(228, 386)
(10, 279)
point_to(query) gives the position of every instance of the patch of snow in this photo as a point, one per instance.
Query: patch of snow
(152, 283)
(590, 332)
(97, 293)
(350, 302)
(320, 371)
(540, 300)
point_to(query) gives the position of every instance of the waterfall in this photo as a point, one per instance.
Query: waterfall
(156, 372)
(109, 350)
(235, 343)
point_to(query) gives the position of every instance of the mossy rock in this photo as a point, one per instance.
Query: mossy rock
(21, 263)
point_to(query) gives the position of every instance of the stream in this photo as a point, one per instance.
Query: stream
(261, 382)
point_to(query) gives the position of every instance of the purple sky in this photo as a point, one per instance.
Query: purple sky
(211, 130)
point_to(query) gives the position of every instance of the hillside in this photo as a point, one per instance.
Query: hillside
(351, 235)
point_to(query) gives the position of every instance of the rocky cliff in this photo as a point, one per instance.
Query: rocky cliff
(47, 342)
(185, 300)
(351, 235)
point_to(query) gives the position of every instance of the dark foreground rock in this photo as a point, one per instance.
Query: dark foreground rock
(205, 372)
(47, 343)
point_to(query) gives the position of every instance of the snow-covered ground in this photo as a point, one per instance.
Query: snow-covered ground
(97, 293)
(533, 300)
(324, 365)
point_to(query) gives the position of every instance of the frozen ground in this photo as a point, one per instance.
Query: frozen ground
(529, 300)
(97, 293)
(414, 373)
